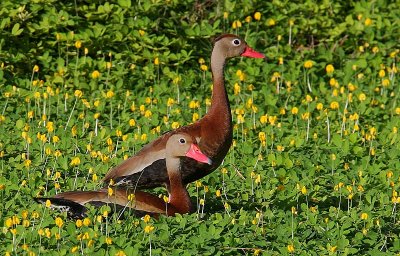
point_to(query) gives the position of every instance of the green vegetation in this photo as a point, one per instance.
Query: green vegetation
(314, 168)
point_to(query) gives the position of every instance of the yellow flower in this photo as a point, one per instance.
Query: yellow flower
(271, 22)
(27, 163)
(226, 14)
(218, 193)
(75, 161)
(236, 24)
(264, 119)
(203, 67)
(78, 44)
(362, 97)
(95, 74)
(236, 89)
(120, 253)
(262, 136)
(30, 114)
(385, 82)
(48, 203)
(108, 240)
(295, 110)
(257, 15)
(147, 113)
(226, 206)
(148, 228)
(248, 19)
(368, 22)
(364, 216)
(334, 105)
(290, 248)
(35, 68)
(146, 218)
(170, 102)
(78, 93)
(131, 197)
(156, 61)
(9, 223)
(305, 116)
(304, 190)
(308, 64)
(329, 69)
(74, 249)
(78, 223)
(25, 247)
(141, 32)
(240, 119)
(109, 94)
(86, 221)
(272, 119)
(195, 117)
(118, 133)
(110, 191)
(59, 222)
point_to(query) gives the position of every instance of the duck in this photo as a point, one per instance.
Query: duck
(213, 132)
(179, 145)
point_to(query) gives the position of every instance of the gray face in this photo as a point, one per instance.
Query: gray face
(178, 145)
(231, 46)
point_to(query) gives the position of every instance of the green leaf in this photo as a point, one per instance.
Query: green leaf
(19, 124)
(16, 31)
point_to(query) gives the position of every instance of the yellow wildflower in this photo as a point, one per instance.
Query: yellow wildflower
(148, 229)
(364, 216)
(95, 74)
(329, 69)
(308, 64)
(59, 222)
(78, 44)
(290, 248)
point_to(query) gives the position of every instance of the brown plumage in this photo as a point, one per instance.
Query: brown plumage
(213, 132)
(178, 146)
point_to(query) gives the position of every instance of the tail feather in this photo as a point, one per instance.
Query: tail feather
(73, 202)
(73, 209)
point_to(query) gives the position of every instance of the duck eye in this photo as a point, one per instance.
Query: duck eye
(236, 42)
(182, 141)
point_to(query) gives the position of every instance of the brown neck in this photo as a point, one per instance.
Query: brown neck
(179, 197)
(219, 99)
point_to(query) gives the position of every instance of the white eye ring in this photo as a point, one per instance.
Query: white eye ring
(236, 42)
(182, 141)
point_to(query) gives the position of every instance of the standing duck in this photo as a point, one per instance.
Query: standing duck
(213, 132)
(178, 146)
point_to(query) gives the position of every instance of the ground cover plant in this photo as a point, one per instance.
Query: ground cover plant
(314, 167)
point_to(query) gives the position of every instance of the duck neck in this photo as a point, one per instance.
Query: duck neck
(219, 99)
(179, 197)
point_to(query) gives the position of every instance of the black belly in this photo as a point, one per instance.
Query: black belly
(156, 175)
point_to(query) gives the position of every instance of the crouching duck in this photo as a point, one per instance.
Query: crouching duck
(178, 146)
(213, 132)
